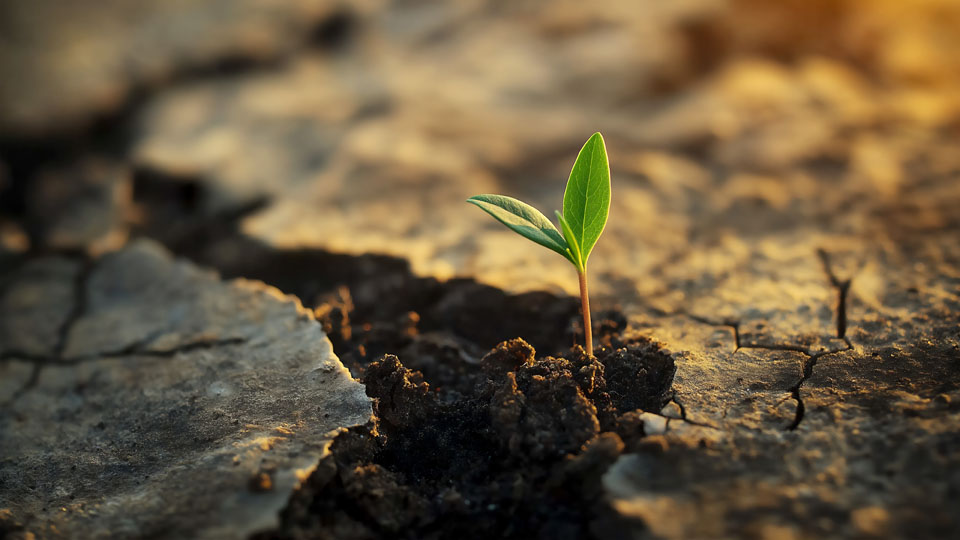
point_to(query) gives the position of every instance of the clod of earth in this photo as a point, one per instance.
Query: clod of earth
(514, 448)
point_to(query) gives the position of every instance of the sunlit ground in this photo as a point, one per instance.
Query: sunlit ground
(762, 154)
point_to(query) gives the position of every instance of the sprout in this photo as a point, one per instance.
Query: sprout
(586, 204)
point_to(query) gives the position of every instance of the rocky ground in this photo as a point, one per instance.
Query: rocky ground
(784, 227)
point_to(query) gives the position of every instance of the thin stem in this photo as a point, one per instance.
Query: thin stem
(585, 306)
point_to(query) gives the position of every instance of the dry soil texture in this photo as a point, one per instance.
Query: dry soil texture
(784, 220)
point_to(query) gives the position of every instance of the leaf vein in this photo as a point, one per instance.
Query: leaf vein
(586, 198)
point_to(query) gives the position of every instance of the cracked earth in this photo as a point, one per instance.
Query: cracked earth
(205, 245)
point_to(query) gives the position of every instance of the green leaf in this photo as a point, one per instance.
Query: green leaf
(586, 201)
(574, 247)
(524, 220)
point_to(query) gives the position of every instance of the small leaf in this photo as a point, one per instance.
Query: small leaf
(586, 200)
(524, 220)
(574, 247)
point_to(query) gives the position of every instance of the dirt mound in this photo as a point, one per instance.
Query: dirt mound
(508, 445)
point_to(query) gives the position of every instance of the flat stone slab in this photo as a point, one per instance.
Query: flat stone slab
(144, 397)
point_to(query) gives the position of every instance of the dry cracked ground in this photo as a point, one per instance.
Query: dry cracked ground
(785, 222)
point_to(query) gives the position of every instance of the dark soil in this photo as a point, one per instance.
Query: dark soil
(474, 436)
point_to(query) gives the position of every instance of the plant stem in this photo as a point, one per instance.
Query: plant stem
(585, 306)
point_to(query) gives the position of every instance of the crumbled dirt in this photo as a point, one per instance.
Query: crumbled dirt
(503, 444)
(518, 454)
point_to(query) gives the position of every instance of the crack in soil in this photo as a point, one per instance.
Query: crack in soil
(78, 308)
(38, 362)
(134, 349)
(807, 371)
(842, 287)
(732, 324)
(683, 415)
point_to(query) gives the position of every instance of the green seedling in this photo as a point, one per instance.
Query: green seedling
(586, 204)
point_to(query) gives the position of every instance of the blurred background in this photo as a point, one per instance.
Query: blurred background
(743, 134)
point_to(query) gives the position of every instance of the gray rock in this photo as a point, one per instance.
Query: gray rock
(177, 404)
